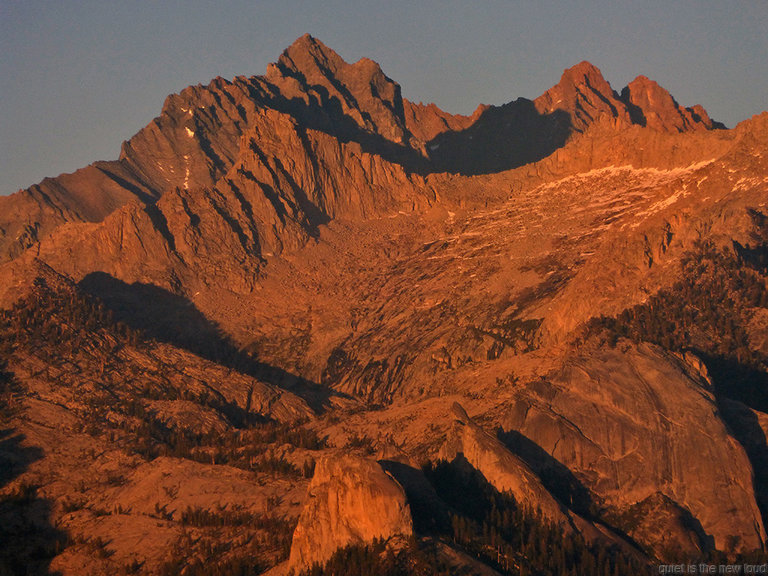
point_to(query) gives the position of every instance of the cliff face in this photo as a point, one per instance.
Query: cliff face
(285, 183)
(650, 105)
(585, 95)
(296, 179)
(710, 198)
(502, 469)
(190, 144)
(361, 92)
(351, 501)
(632, 422)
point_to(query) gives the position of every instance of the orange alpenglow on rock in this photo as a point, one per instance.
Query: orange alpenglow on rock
(351, 501)
(280, 264)
(502, 469)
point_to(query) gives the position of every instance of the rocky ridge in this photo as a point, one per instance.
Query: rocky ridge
(200, 132)
(505, 471)
(320, 253)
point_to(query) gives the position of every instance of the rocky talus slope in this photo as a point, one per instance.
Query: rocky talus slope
(302, 320)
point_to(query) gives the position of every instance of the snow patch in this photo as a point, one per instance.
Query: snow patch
(631, 178)
(746, 183)
(190, 133)
(186, 171)
(661, 204)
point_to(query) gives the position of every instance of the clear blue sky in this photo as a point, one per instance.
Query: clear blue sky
(79, 77)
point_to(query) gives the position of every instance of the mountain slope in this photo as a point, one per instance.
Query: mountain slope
(285, 267)
(198, 135)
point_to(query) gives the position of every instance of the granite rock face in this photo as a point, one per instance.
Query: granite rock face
(502, 469)
(651, 105)
(201, 132)
(586, 96)
(351, 501)
(635, 422)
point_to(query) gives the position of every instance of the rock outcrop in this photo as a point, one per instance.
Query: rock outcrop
(351, 501)
(587, 97)
(630, 423)
(360, 91)
(502, 469)
(201, 133)
(666, 530)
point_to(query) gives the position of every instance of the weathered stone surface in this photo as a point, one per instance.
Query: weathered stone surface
(666, 530)
(585, 95)
(502, 469)
(351, 501)
(199, 134)
(366, 252)
(651, 105)
(635, 421)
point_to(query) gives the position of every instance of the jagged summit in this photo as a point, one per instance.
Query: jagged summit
(309, 57)
(308, 53)
(306, 43)
(361, 90)
(198, 137)
(303, 274)
(653, 106)
(587, 96)
(584, 73)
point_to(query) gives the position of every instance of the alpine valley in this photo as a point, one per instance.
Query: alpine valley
(304, 325)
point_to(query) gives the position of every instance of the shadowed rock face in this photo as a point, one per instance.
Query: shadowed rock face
(635, 421)
(361, 90)
(351, 501)
(665, 529)
(587, 98)
(201, 132)
(502, 469)
(468, 444)
(650, 105)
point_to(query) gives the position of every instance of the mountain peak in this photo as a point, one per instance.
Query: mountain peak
(644, 87)
(306, 53)
(652, 105)
(584, 94)
(583, 71)
(306, 43)
(586, 76)
(296, 275)
(643, 80)
(310, 56)
(361, 91)
(306, 39)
